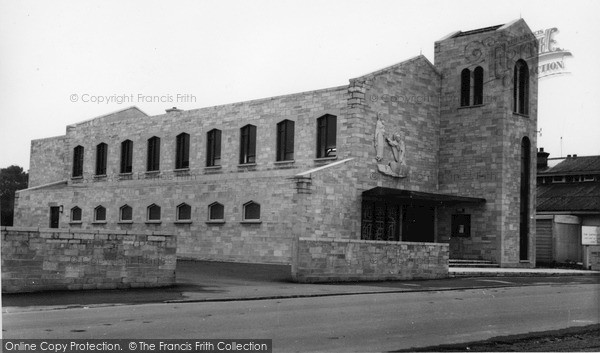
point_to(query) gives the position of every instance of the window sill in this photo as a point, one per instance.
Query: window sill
(521, 115)
(99, 222)
(471, 106)
(75, 222)
(77, 178)
(257, 221)
(325, 159)
(186, 221)
(99, 176)
(150, 172)
(278, 163)
(153, 222)
(125, 222)
(245, 165)
(181, 170)
(213, 167)
(216, 221)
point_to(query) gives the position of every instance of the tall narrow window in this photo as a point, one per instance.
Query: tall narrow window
(521, 88)
(326, 136)
(524, 205)
(126, 156)
(216, 212)
(478, 86)
(153, 154)
(248, 144)
(213, 148)
(285, 140)
(182, 155)
(465, 88)
(101, 152)
(78, 161)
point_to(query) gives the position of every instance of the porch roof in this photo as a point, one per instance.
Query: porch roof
(401, 195)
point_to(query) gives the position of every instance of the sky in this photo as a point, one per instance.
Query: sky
(62, 62)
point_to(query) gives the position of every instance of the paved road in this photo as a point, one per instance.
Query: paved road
(367, 322)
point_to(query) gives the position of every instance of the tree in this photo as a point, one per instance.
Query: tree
(12, 179)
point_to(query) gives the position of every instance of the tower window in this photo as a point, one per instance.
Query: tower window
(126, 156)
(285, 140)
(521, 88)
(213, 148)
(100, 214)
(182, 155)
(326, 136)
(78, 161)
(153, 162)
(465, 88)
(101, 152)
(478, 86)
(248, 144)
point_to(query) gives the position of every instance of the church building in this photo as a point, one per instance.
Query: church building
(414, 152)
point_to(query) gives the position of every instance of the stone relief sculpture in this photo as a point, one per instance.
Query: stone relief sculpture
(396, 167)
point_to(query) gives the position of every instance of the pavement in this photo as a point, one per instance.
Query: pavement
(203, 281)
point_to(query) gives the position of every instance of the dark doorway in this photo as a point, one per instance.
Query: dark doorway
(54, 216)
(418, 223)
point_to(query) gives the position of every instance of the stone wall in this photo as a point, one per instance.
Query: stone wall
(36, 259)
(48, 161)
(336, 260)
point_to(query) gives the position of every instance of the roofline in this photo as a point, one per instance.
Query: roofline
(387, 68)
(105, 115)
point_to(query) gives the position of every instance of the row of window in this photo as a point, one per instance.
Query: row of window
(326, 147)
(520, 87)
(216, 212)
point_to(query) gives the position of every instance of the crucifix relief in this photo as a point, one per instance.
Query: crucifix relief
(391, 151)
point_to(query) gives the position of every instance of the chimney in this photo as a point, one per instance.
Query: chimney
(173, 110)
(542, 159)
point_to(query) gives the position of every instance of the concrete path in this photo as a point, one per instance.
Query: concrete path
(218, 281)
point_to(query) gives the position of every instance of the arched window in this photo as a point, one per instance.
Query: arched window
(465, 88)
(101, 155)
(125, 213)
(524, 193)
(100, 214)
(77, 162)
(213, 148)
(153, 212)
(326, 136)
(126, 156)
(248, 144)
(285, 140)
(521, 88)
(251, 211)
(216, 212)
(153, 162)
(76, 214)
(184, 212)
(182, 151)
(478, 86)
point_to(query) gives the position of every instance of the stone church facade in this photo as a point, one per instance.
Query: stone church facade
(415, 152)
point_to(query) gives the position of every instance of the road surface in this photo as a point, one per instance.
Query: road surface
(368, 322)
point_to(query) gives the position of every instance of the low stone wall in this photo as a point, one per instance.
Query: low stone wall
(333, 260)
(57, 259)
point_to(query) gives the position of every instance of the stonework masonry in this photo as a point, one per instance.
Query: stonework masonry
(451, 150)
(36, 259)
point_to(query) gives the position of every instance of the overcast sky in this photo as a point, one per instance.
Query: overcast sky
(229, 51)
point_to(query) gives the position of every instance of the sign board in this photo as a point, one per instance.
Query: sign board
(590, 235)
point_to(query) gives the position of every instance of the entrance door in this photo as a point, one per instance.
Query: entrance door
(418, 223)
(54, 215)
